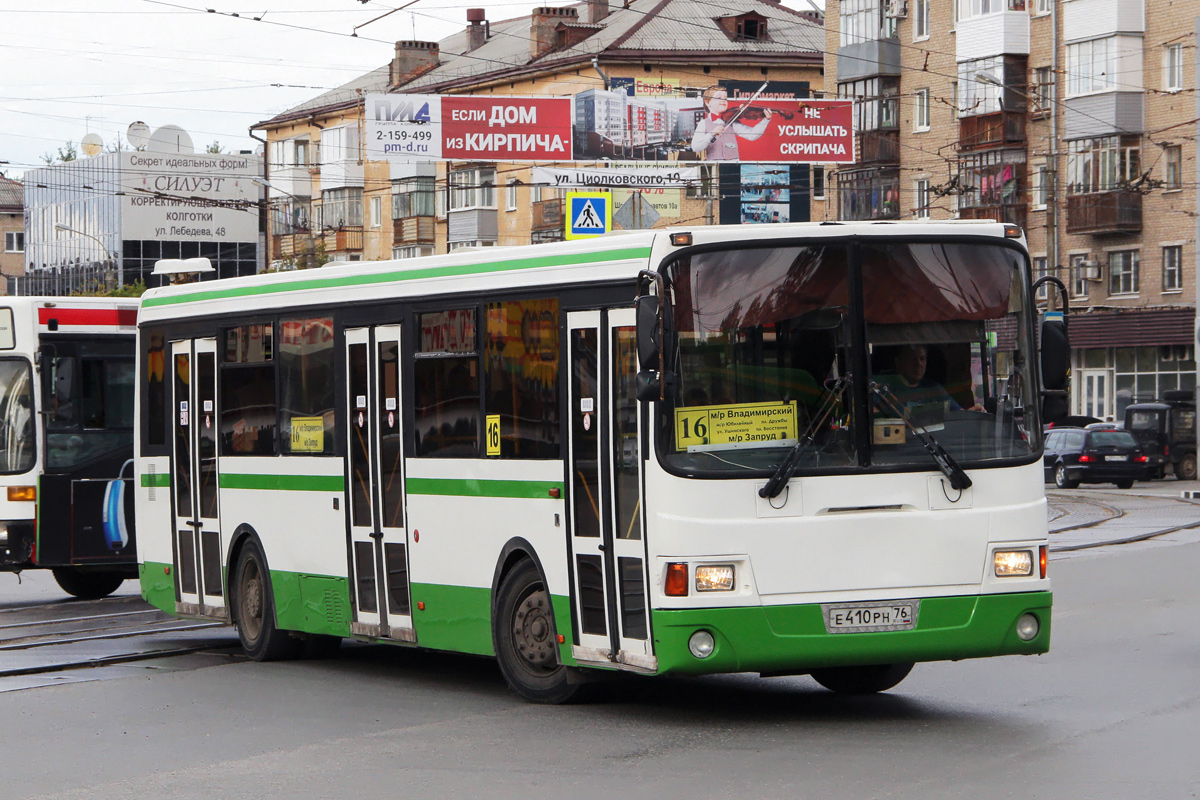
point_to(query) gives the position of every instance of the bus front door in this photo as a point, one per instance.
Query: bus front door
(198, 572)
(375, 488)
(610, 586)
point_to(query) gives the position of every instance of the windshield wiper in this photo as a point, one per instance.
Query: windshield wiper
(958, 478)
(783, 472)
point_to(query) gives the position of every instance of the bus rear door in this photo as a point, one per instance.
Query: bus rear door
(197, 546)
(375, 488)
(610, 588)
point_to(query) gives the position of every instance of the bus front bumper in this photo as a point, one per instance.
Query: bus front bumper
(793, 639)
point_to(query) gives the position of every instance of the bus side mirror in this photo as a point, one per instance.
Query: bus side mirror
(648, 328)
(1056, 369)
(650, 385)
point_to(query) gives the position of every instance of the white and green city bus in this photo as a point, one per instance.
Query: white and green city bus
(664, 452)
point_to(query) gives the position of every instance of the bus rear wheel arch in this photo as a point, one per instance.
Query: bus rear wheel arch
(254, 608)
(525, 638)
(869, 679)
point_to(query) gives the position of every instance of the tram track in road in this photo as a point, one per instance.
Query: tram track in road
(1125, 518)
(54, 642)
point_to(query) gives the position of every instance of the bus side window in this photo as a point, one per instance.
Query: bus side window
(446, 385)
(155, 408)
(521, 376)
(62, 406)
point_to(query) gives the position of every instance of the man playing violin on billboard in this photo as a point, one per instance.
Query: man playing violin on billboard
(718, 130)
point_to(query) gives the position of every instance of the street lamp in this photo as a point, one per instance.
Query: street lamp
(110, 259)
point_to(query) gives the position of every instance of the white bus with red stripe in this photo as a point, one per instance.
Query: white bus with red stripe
(66, 439)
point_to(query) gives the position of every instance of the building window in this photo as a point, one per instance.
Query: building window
(412, 251)
(984, 95)
(818, 181)
(992, 178)
(921, 198)
(1144, 373)
(1102, 165)
(1040, 270)
(1173, 167)
(920, 19)
(510, 195)
(1173, 68)
(1079, 275)
(1123, 272)
(921, 114)
(1041, 7)
(473, 188)
(341, 207)
(376, 212)
(1043, 90)
(1092, 66)
(751, 27)
(973, 8)
(864, 21)
(869, 194)
(1172, 268)
(288, 153)
(1040, 191)
(452, 246)
(412, 197)
(876, 103)
(14, 241)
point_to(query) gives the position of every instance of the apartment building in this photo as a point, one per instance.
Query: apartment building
(12, 228)
(1071, 118)
(328, 202)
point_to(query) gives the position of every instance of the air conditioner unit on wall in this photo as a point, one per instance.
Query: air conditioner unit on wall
(896, 9)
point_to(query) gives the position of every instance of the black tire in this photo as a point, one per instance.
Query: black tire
(1124, 484)
(87, 585)
(1061, 480)
(254, 610)
(525, 639)
(862, 680)
(1185, 470)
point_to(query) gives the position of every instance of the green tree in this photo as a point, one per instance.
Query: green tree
(65, 153)
(215, 148)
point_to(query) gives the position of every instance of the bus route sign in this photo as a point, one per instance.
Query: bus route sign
(740, 423)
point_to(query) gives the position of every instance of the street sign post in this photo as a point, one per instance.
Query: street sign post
(588, 214)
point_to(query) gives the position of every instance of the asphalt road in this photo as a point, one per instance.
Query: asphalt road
(1112, 711)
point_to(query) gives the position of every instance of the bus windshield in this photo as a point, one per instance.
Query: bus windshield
(774, 351)
(16, 416)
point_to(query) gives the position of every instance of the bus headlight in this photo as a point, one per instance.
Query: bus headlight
(702, 644)
(1013, 563)
(714, 578)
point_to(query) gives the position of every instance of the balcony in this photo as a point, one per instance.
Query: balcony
(344, 239)
(413, 230)
(876, 146)
(547, 215)
(991, 130)
(1100, 213)
(992, 34)
(1011, 213)
(290, 245)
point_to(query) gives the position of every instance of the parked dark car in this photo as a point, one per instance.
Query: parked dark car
(1166, 431)
(1075, 455)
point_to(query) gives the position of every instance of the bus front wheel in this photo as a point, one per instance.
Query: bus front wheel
(255, 607)
(862, 680)
(525, 640)
(87, 585)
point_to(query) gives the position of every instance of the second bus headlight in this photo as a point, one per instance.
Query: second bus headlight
(714, 578)
(1013, 563)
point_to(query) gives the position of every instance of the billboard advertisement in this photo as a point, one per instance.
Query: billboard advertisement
(728, 122)
(191, 197)
(430, 127)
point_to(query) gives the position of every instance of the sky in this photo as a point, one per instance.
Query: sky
(73, 67)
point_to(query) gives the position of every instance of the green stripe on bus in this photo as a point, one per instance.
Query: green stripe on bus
(162, 479)
(404, 275)
(467, 487)
(286, 483)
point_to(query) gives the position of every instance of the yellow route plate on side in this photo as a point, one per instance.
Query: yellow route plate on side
(308, 435)
(740, 423)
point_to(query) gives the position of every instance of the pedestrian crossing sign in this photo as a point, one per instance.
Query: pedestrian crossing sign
(588, 214)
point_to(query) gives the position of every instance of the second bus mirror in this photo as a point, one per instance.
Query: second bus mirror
(648, 344)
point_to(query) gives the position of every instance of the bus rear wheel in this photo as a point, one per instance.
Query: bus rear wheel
(862, 680)
(87, 585)
(525, 639)
(255, 608)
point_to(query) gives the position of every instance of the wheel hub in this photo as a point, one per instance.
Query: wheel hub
(533, 630)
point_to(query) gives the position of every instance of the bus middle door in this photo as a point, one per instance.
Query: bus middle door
(375, 488)
(198, 573)
(610, 588)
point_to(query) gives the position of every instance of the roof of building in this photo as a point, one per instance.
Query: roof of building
(12, 194)
(661, 29)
